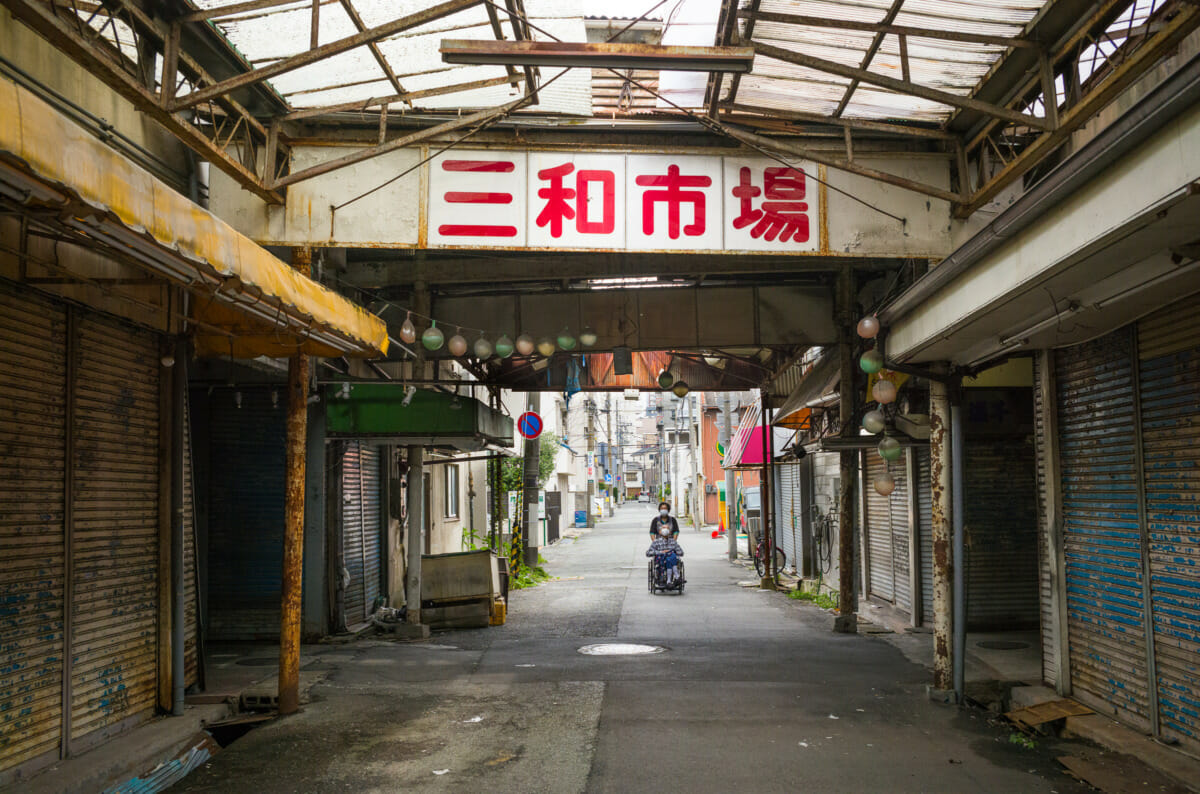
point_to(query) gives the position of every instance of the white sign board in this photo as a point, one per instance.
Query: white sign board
(621, 202)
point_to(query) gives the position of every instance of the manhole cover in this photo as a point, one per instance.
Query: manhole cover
(619, 649)
(258, 662)
(1001, 645)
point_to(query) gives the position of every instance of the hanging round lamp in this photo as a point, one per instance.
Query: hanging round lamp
(408, 331)
(884, 391)
(871, 362)
(433, 337)
(868, 327)
(525, 344)
(504, 346)
(873, 421)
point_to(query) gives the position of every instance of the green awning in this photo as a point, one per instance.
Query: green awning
(376, 412)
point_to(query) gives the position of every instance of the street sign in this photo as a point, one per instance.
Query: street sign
(529, 425)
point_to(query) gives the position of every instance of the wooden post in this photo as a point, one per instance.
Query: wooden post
(293, 530)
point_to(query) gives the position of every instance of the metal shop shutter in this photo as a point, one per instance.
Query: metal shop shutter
(33, 409)
(1001, 534)
(1045, 596)
(790, 513)
(190, 615)
(114, 542)
(1169, 380)
(362, 530)
(881, 571)
(925, 531)
(1102, 548)
(898, 507)
(246, 513)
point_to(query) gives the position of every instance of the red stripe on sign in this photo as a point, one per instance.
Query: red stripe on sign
(465, 197)
(471, 230)
(492, 166)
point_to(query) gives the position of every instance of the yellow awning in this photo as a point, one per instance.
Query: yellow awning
(265, 306)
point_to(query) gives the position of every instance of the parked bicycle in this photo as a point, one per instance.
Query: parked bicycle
(824, 527)
(762, 556)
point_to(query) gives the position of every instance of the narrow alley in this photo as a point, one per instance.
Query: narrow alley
(751, 693)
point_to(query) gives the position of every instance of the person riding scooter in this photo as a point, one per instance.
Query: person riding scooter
(664, 518)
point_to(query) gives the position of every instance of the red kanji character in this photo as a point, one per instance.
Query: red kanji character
(608, 212)
(674, 197)
(784, 214)
(557, 198)
(477, 197)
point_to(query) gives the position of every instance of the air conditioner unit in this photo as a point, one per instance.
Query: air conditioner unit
(710, 488)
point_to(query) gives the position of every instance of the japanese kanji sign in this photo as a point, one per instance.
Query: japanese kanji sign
(621, 202)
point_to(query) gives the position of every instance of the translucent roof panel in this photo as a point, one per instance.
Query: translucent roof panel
(270, 34)
(955, 67)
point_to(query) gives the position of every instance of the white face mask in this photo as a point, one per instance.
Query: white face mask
(664, 513)
(664, 532)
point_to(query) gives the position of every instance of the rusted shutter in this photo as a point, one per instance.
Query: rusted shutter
(1169, 380)
(190, 623)
(115, 537)
(1001, 534)
(1101, 538)
(1041, 450)
(881, 570)
(246, 513)
(352, 534)
(925, 532)
(33, 409)
(898, 508)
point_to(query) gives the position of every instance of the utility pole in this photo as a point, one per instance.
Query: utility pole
(697, 517)
(608, 467)
(529, 489)
(727, 435)
(416, 485)
(591, 458)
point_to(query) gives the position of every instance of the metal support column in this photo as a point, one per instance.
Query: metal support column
(765, 493)
(959, 621)
(293, 532)
(416, 526)
(939, 459)
(727, 435)
(529, 483)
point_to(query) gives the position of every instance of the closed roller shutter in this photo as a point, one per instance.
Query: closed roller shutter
(925, 532)
(1169, 379)
(1001, 534)
(1045, 596)
(790, 512)
(1105, 615)
(898, 504)
(246, 514)
(190, 621)
(372, 490)
(352, 533)
(33, 409)
(881, 571)
(115, 537)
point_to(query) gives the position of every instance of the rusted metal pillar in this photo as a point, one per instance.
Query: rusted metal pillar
(416, 482)
(765, 494)
(293, 529)
(939, 455)
(846, 621)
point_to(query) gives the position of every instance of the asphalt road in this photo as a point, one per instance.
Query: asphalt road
(753, 692)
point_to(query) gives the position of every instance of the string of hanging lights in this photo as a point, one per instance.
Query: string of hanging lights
(434, 338)
(883, 391)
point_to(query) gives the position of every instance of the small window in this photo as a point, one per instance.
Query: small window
(451, 490)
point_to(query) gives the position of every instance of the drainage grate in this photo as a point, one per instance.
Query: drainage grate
(1001, 645)
(620, 649)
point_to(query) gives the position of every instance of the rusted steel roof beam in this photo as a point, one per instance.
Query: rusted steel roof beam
(494, 20)
(398, 143)
(803, 152)
(407, 96)
(352, 12)
(615, 55)
(1074, 117)
(868, 57)
(308, 57)
(203, 15)
(67, 38)
(872, 27)
(899, 86)
(852, 124)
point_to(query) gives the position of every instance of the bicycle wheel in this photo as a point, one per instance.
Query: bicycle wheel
(780, 559)
(760, 562)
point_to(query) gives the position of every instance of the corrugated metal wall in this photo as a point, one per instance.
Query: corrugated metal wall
(352, 534)
(1001, 534)
(1169, 380)
(1050, 663)
(898, 507)
(1102, 547)
(246, 494)
(33, 471)
(190, 586)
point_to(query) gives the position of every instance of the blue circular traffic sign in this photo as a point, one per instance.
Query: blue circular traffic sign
(529, 425)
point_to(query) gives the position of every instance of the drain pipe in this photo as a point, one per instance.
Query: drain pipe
(178, 384)
(958, 550)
